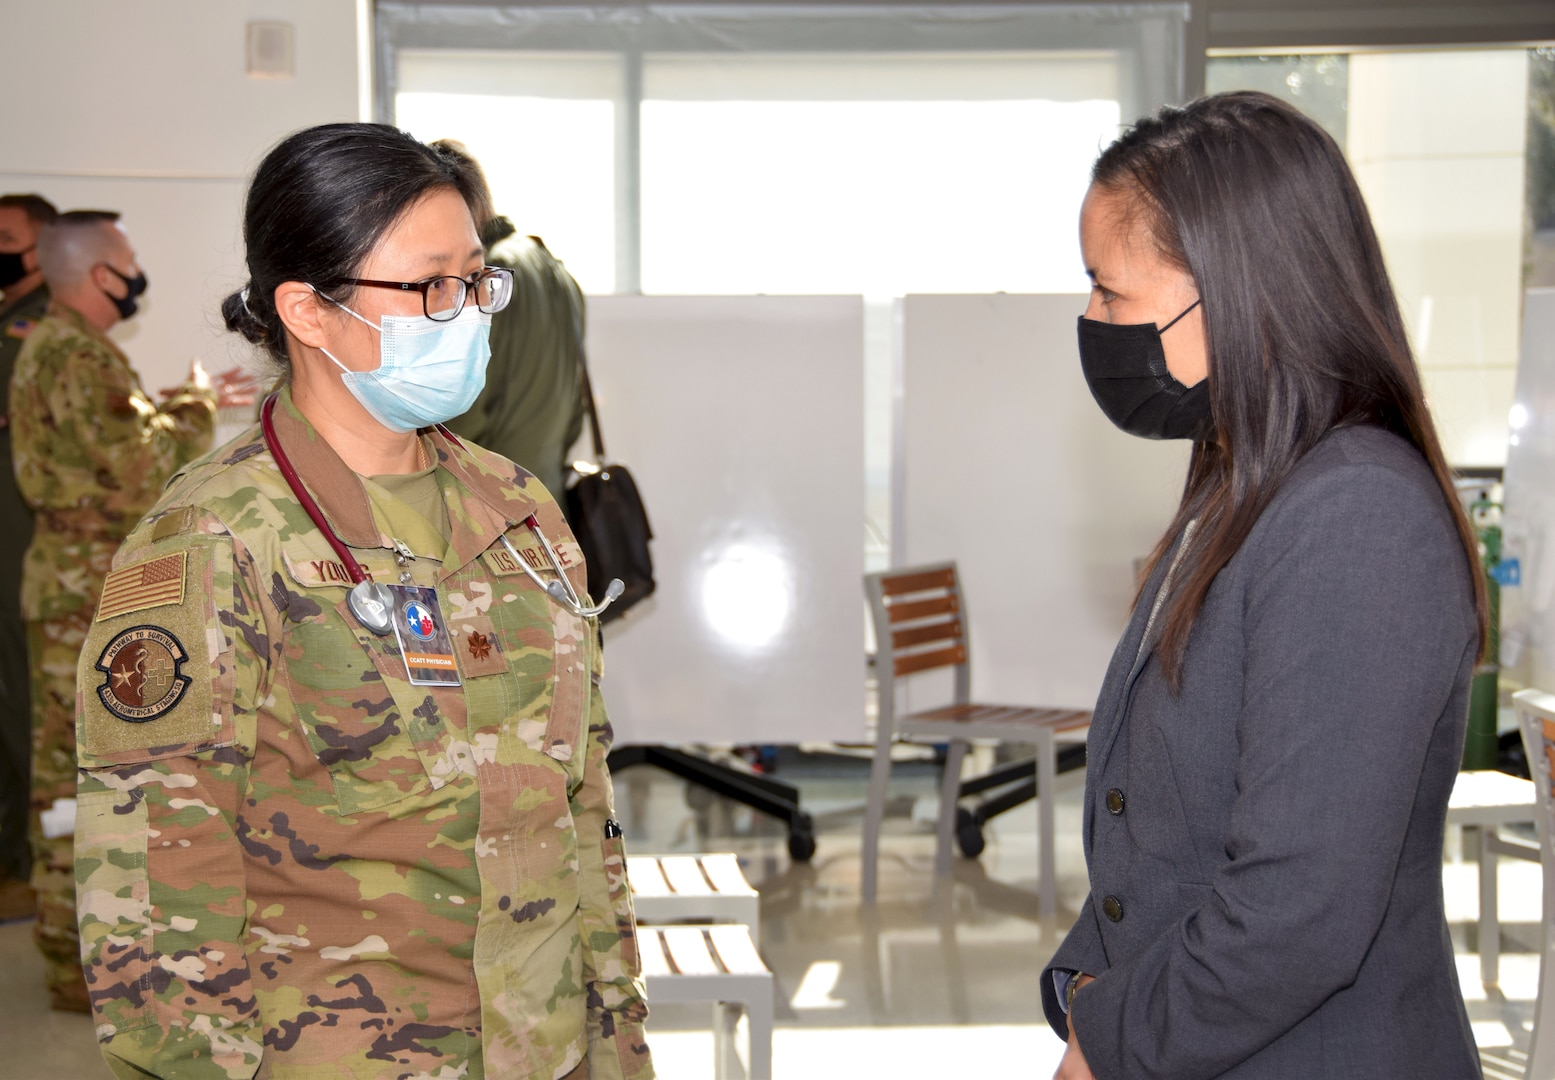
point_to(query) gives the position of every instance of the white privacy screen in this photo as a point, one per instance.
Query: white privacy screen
(1010, 469)
(740, 419)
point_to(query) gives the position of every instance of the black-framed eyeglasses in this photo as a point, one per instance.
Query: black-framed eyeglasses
(442, 298)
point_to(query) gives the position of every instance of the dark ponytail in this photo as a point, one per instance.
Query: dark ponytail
(318, 205)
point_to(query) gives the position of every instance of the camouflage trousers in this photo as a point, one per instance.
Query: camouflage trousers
(54, 646)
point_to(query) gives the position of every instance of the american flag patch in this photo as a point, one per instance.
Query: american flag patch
(144, 585)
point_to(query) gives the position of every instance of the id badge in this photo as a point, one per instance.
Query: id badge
(423, 636)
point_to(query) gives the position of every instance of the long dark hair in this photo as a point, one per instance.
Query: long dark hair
(318, 205)
(1256, 202)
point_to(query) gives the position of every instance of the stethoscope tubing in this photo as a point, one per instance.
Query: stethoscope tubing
(561, 590)
(267, 429)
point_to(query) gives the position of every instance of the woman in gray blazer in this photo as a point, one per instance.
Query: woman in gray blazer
(1278, 733)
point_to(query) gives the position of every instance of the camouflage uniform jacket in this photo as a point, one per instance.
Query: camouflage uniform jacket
(291, 861)
(92, 452)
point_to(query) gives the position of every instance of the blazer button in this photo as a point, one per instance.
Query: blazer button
(1112, 907)
(1114, 802)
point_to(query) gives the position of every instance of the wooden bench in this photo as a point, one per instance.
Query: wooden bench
(684, 965)
(1486, 800)
(693, 888)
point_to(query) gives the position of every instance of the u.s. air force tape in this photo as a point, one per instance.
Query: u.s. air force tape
(144, 673)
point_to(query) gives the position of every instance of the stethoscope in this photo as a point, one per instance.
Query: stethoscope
(371, 602)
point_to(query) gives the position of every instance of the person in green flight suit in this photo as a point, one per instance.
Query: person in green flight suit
(91, 452)
(531, 410)
(23, 299)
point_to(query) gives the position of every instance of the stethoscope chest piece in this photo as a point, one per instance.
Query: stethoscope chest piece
(373, 606)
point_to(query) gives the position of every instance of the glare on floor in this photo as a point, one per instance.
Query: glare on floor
(902, 1053)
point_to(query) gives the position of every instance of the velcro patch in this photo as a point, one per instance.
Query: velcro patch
(316, 573)
(148, 584)
(144, 673)
(174, 523)
(503, 565)
(477, 645)
(147, 685)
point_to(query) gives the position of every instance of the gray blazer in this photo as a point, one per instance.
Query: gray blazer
(1265, 847)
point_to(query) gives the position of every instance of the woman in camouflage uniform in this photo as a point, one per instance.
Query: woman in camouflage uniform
(311, 844)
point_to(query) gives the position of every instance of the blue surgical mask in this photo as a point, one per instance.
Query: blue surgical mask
(428, 372)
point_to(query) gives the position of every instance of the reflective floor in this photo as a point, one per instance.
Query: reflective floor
(927, 984)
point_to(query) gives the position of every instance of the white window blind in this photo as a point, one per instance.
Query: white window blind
(873, 174)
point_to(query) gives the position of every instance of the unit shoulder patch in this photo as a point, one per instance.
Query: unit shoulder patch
(143, 669)
(159, 682)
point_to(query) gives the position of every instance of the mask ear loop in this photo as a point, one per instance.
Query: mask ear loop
(331, 300)
(1180, 318)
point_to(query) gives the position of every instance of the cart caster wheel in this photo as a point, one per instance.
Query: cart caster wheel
(801, 845)
(969, 834)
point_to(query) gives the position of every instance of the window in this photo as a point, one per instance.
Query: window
(858, 150)
(872, 174)
(1438, 143)
(543, 126)
(804, 149)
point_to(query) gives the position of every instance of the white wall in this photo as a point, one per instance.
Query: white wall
(1437, 141)
(144, 106)
(1012, 471)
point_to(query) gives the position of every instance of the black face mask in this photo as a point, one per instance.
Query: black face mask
(12, 268)
(135, 286)
(1125, 367)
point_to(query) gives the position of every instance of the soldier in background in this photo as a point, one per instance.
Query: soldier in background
(531, 410)
(92, 452)
(23, 299)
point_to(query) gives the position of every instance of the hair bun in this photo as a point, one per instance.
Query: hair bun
(240, 319)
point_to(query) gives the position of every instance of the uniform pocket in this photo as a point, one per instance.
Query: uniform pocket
(353, 724)
(113, 900)
(614, 848)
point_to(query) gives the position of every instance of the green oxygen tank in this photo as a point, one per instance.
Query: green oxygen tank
(1479, 746)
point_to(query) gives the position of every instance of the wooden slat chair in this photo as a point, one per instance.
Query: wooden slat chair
(1485, 800)
(693, 888)
(1536, 718)
(685, 965)
(920, 625)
